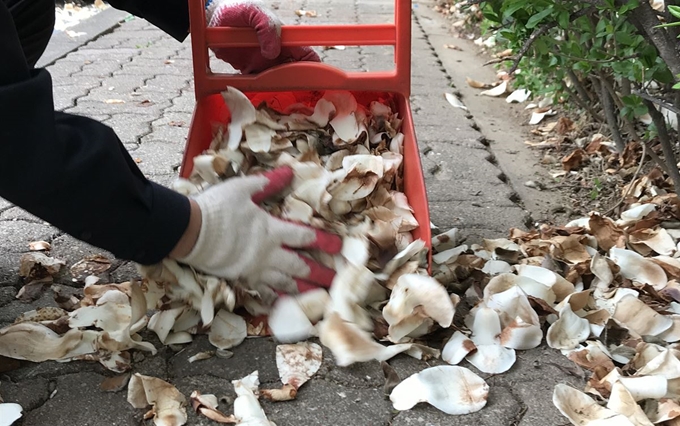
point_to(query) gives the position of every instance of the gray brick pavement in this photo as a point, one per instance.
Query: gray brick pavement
(152, 74)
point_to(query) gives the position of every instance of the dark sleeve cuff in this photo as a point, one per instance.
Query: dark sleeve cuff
(166, 223)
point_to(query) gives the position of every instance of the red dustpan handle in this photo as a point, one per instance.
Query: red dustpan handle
(397, 35)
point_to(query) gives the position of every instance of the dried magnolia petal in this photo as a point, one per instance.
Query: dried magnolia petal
(580, 409)
(451, 389)
(227, 330)
(168, 403)
(298, 363)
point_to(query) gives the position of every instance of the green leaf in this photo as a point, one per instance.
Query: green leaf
(674, 10)
(632, 4)
(563, 19)
(513, 6)
(624, 37)
(534, 20)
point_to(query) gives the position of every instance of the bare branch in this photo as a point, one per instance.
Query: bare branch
(657, 101)
(666, 146)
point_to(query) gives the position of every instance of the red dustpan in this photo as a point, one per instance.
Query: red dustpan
(306, 82)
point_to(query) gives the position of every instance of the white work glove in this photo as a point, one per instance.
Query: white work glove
(238, 240)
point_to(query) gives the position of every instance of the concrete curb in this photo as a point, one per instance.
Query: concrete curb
(61, 44)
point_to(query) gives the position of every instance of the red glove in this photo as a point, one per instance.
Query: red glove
(253, 14)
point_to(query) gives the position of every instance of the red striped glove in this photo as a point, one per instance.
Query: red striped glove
(253, 14)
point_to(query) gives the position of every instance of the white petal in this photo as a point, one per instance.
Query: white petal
(637, 268)
(242, 114)
(457, 348)
(492, 359)
(297, 363)
(519, 95)
(636, 213)
(413, 290)
(636, 316)
(568, 331)
(350, 344)
(495, 267)
(622, 402)
(451, 389)
(649, 387)
(288, 322)
(227, 330)
(580, 409)
(9, 413)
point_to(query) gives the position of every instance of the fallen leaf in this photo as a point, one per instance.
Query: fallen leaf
(454, 101)
(608, 234)
(206, 405)
(496, 91)
(168, 404)
(306, 13)
(564, 125)
(452, 46)
(35, 266)
(39, 246)
(477, 84)
(32, 291)
(391, 377)
(115, 383)
(297, 363)
(574, 160)
(90, 265)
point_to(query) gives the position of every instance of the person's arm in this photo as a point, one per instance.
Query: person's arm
(74, 172)
(171, 16)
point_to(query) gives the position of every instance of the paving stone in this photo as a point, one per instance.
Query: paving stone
(151, 103)
(11, 311)
(7, 295)
(67, 96)
(186, 102)
(451, 214)
(61, 70)
(253, 354)
(19, 214)
(464, 164)
(126, 84)
(15, 235)
(165, 83)
(9, 269)
(170, 134)
(323, 403)
(83, 81)
(79, 401)
(94, 55)
(156, 158)
(130, 128)
(30, 394)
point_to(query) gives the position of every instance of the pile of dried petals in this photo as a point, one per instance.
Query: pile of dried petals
(604, 292)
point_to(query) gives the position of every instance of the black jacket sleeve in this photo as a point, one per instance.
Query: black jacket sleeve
(74, 172)
(171, 16)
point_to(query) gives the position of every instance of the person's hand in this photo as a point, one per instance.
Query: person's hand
(253, 14)
(238, 240)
